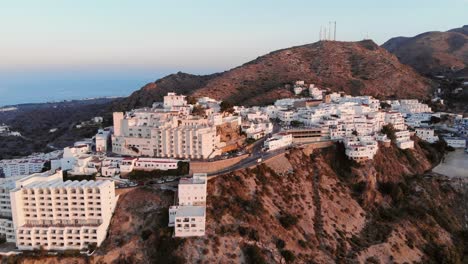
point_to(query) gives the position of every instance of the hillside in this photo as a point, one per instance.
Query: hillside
(432, 52)
(34, 122)
(329, 210)
(181, 83)
(358, 68)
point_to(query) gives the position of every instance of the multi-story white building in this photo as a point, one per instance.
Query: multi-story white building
(360, 148)
(403, 140)
(102, 140)
(188, 221)
(285, 115)
(426, 134)
(192, 191)
(412, 106)
(396, 119)
(159, 133)
(6, 222)
(25, 166)
(56, 215)
(172, 99)
(188, 217)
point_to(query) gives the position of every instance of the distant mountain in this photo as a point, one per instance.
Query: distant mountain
(432, 52)
(357, 68)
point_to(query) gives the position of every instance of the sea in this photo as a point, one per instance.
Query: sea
(17, 87)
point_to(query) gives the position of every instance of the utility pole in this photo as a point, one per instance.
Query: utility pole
(329, 30)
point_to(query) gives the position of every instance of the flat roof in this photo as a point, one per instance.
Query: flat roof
(187, 211)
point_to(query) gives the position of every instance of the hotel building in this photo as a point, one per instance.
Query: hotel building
(56, 215)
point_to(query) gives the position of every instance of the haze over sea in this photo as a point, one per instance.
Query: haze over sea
(57, 85)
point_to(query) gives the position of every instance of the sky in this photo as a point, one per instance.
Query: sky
(114, 47)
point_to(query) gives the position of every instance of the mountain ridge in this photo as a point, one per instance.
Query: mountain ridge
(432, 52)
(357, 68)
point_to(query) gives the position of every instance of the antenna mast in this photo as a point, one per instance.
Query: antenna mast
(334, 33)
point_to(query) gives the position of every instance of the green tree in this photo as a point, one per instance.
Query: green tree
(288, 256)
(227, 106)
(389, 130)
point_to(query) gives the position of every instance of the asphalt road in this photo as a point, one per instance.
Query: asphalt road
(250, 161)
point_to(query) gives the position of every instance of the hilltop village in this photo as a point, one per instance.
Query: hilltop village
(65, 200)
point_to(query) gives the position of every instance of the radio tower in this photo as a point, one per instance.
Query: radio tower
(334, 32)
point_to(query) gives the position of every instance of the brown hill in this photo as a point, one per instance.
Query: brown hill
(432, 52)
(182, 83)
(357, 68)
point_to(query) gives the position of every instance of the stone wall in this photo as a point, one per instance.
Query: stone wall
(214, 166)
(308, 148)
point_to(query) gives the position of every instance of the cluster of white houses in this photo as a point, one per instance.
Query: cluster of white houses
(189, 215)
(357, 121)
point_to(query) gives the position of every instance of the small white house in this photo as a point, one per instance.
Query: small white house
(403, 140)
(279, 140)
(426, 134)
(188, 221)
(298, 90)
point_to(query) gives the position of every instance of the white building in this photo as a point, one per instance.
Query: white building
(298, 90)
(279, 140)
(6, 222)
(396, 119)
(257, 129)
(172, 99)
(360, 148)
(189, 216)
(188, 221)
(455, 142)
(56, 215)
(160, 133)
(412, 106)
(24, 166)
(155, 164)
(86, 165)
(315, 92)
(426, 134)
(403, 140)
(102, 140)
(285, 116)
(192, 191)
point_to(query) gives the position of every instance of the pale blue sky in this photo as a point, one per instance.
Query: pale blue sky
(195, 36)
(199, 34)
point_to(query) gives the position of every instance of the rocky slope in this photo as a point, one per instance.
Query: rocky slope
(327, 210)
(432, 52)
(333, 212)
(358, 68)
